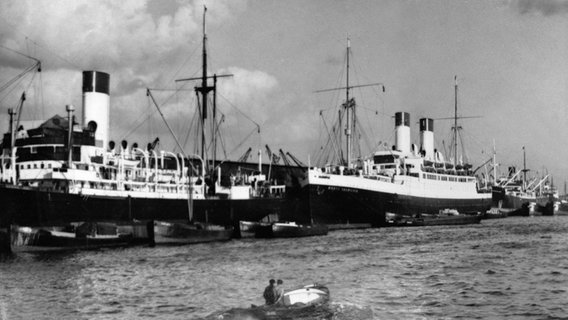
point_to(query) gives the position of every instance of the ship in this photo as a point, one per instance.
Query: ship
(518, 197)
(66, 171)
(404, 180)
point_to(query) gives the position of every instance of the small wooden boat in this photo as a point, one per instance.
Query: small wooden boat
(289, 230)
(88, 235)
(175, 233)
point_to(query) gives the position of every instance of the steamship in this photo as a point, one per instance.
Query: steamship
(519, 197)
(63, 171)
(403, 181)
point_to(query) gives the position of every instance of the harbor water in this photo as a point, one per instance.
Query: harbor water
(513, 268)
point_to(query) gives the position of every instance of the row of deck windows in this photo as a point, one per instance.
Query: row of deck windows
(35, 166)
(447, 178)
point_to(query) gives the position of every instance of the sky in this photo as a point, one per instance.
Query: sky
(510, 58)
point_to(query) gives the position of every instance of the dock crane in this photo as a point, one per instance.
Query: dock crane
(298, 162)
(274, 158)
(284, 158)
(245, 156)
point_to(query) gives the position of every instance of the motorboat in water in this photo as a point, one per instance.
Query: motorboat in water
(306, 302)
(306, 295)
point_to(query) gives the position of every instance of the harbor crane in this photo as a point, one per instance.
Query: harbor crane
(298, 162)
(245, 156)
(284, 158)
(274, 158)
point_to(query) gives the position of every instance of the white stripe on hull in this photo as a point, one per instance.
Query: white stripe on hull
(402, 185)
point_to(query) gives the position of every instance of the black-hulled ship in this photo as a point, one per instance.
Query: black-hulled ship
(517, 196)
(403, 181)
(62, 171)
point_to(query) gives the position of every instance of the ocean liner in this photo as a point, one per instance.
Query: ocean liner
(62, 171)
(403, 181)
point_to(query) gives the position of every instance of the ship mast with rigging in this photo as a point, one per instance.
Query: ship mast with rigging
(350, 110)
(204, 90)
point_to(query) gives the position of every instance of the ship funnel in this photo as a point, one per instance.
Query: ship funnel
(427, 137)
(96, 105)
(402, 131)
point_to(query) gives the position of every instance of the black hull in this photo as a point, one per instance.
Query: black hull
(436, 221)
(503, 200)
(179, 234)
(547, 209)
(334, 206)
(31, 207)
(44, 240)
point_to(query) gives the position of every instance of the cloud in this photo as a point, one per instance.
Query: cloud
(110, 36)
(544, 7)
(249, 91)
(136, 45)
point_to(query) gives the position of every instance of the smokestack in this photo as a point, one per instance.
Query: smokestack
(402, 131)
(427, 137)
(96, 105)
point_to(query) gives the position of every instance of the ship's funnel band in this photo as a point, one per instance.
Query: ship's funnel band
(402, 119)
(96, 81)
(427, 124)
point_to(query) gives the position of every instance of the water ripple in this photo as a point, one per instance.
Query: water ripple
(500, 269)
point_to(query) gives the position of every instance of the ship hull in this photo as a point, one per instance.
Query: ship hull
(348, 200)
(342, 205)
(522, 204)
(32, 207)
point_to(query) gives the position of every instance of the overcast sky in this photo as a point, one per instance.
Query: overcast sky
(510, 57)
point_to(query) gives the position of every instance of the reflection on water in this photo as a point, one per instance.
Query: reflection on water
(503, 268)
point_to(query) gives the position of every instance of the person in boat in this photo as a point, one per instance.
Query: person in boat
(270, 293)
(279, 292)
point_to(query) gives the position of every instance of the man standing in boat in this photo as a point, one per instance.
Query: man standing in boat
(270, 293)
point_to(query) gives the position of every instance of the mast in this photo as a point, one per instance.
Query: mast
(348, 107)
(524, 168)
(70, 109)
(12, 114)
(204, 91)
(494, 164)
(455, 120)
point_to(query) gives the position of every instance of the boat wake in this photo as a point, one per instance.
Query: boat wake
(328, 311)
